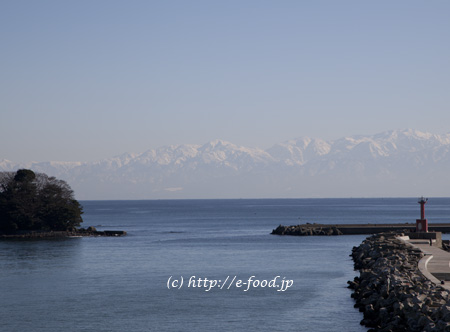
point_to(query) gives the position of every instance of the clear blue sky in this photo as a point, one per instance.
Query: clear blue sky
(85, 80)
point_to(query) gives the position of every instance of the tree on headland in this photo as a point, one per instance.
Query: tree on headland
(35, 201)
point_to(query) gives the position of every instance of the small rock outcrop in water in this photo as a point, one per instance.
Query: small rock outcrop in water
(306, 230)
(392, 292)
(90, 231)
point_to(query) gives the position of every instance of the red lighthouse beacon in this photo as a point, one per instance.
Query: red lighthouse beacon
(422, 223)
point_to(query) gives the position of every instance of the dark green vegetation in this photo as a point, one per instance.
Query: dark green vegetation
(35, 201)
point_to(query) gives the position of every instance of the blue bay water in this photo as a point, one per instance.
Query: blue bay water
(120, 284)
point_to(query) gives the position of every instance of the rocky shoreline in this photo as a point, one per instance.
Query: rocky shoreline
(90, 231)
(392, 292)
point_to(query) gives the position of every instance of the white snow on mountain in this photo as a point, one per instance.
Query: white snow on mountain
(393, 163)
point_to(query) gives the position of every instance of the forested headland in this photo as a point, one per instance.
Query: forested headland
(36, 202)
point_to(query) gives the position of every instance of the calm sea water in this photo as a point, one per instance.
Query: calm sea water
(120, 284)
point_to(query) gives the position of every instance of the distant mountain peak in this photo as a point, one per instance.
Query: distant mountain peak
(218, 143)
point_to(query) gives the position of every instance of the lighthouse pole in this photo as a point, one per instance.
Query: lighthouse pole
(422, 223)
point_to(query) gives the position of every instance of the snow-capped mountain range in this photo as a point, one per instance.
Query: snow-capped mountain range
(393, 163)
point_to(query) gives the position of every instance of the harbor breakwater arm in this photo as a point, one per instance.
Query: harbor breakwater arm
(392, 292)
(354, 229)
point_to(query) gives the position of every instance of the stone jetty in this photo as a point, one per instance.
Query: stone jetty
(354, 229)
(391, 290)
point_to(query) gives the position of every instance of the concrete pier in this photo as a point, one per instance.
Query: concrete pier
(435, 265)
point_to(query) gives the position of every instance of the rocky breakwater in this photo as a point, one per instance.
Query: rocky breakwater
(306, 230)
(392, 292)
